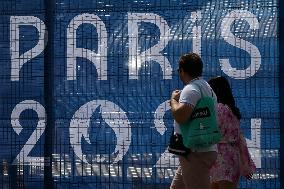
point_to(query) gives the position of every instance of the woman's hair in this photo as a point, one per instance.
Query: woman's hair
(223, 91)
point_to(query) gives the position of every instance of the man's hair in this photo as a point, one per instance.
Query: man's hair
(191, 64)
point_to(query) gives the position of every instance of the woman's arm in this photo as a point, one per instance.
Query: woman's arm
(247, 165)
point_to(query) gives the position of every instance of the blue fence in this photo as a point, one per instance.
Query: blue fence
(86, 84)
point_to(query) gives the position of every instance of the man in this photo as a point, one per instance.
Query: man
(193, 171)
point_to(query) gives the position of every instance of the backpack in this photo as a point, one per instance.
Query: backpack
(201, 130)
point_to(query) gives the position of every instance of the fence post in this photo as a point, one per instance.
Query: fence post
(281, 86)
(49, 92)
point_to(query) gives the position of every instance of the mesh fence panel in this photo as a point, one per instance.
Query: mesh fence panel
(112, 66)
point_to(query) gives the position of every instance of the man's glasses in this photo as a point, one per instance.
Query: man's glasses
(178, 70)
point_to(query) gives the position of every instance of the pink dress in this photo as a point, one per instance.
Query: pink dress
(233, 158)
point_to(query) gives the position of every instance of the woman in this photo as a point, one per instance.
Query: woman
(233, 158)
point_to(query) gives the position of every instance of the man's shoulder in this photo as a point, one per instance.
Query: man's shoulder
(200, 81)
(202, 86)
(199, 84)
(191, 87)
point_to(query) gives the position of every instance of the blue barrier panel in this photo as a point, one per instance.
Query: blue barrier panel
(105, 79)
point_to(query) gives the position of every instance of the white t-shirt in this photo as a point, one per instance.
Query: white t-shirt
(190, 94)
